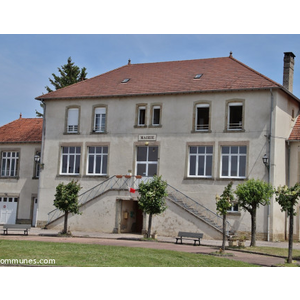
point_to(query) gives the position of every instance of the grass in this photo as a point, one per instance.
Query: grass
(273, 251)
(86, 255)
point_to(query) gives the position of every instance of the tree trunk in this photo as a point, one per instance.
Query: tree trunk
(224, 233)
(66, 223)
(291, 232)
(253, 228)
(149, 225)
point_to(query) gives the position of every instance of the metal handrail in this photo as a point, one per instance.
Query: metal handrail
(122, 182)
(197, 209)
(116, 182)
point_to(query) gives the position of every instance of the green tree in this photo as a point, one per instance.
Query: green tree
(66, 200)
(250, 195)
(287, 197)
(224, 202)
(152, 198)
(69, 74)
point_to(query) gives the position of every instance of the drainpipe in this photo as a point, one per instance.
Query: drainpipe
(41, 159)
(270, 163)
(288, 184)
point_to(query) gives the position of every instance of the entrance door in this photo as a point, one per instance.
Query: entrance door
(146, 161)
(34, 211)
(8, 210)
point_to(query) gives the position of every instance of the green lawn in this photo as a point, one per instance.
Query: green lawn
(85, 255)
(274, 251)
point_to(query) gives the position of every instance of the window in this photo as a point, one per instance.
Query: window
(70, 160)
(9, 164)
(202, 117)
(100, 119)
(72, 125)
(233, 208)
(142, 116)
(97, 160)
(156, 115)
(146, 162)
(235, 116)
(233, 161)
(200, 161)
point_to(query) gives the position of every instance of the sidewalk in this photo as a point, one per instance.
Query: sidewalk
(167, 243)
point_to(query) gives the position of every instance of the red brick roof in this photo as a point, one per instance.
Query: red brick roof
(218, 74)
(295, 134)
(22, 130)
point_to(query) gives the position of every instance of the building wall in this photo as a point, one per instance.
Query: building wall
(24, 186)
(173, 139)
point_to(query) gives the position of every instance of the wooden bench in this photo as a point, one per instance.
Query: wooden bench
(16, 227)
(189, 235)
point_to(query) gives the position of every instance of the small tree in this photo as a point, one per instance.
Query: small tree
(250, 195)
(287, 197)
(66, 200)
(224, 202)
(152, 198)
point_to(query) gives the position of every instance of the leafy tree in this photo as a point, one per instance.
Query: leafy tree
(66, 200)
(250, 195)
(152, 198)
(287, 197)
(69, 74)
(224, 202)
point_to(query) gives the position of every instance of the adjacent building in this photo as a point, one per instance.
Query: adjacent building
(20, 147)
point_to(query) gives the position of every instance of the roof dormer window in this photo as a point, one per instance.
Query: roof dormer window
(125, 80)
(198, 76)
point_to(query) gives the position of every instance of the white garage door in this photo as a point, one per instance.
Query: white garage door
(8, 210)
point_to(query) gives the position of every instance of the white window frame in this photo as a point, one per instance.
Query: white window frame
(230, 158)
(146, 162)
(95, 155)
(141, 108)
(100, 119)
(9, 163)
(205, 126)
(73, 120)
(156, 107)
(68, 155)
(198, 155)
(235, 126)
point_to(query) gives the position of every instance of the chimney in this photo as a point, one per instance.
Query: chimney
(288, 70)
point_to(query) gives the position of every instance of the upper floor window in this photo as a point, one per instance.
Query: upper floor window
(97, 160)
(235, 116)
(9, 163)
(141, 116)
(200, 161)
(37, 164)
(202, 117)
(100, 119)
(70, 160)
(233, 161)
(73, 120)
(156, 110)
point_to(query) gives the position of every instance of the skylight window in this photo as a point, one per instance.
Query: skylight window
(125, 80)
(198, 76)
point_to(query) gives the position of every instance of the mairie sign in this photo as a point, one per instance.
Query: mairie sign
(147, 137)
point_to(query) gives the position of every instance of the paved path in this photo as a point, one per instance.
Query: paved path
(167, 243)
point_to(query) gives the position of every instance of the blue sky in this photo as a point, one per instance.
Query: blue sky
(28, 60)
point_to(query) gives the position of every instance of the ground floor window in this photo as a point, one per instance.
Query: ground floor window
(200, 161)
(146, 161)
(97, 160)
(233, 161)
(70, 160)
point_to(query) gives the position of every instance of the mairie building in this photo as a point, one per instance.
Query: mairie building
(199, 124)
